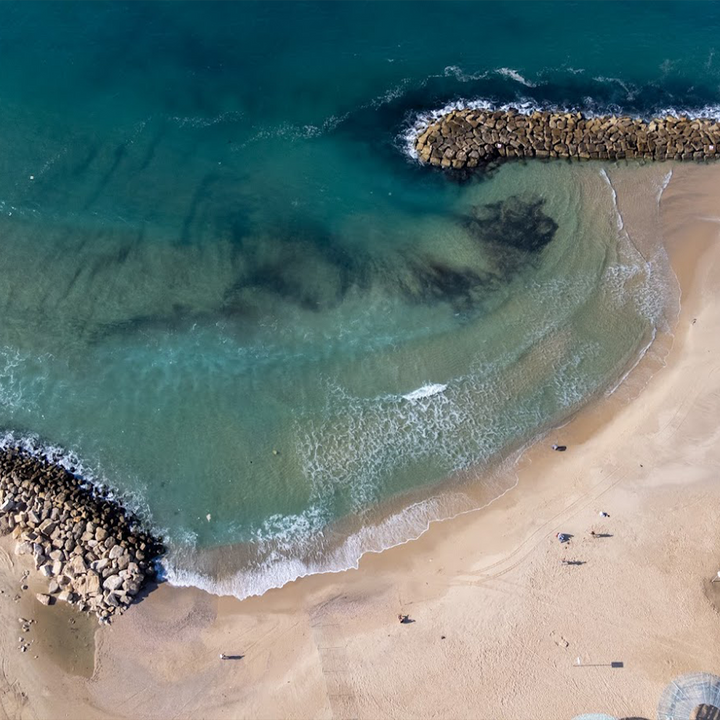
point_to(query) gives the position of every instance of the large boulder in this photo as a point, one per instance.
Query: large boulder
(77, 564)
(92, 583)
(113, 582)
(116, 551)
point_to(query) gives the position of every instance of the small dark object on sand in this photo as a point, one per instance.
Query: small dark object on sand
(559, 448)
(563, 537)
(404, 619)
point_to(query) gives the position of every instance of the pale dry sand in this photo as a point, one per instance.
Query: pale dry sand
(499, 620)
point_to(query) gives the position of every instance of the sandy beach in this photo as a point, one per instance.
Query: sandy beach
(501, 611)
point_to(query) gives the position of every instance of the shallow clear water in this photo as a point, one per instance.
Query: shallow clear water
(227, 290)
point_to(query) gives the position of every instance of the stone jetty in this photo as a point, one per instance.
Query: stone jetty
(92, 552)
(472, 138)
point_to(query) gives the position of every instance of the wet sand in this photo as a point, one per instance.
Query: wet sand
(499, 619)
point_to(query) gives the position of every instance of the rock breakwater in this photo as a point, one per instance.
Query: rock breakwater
(92, 552)
(472, 138)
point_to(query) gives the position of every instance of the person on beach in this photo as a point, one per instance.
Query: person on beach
(562, 537)
(223, 656)
(559, 448)
(403, 619)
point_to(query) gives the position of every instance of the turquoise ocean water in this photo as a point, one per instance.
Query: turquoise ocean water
(228, 291)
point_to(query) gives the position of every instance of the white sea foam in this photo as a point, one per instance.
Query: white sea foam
(646, 281)
(640, 356)
(630, 92)
(327, 125)
(278, 570)
(618, 214)
(663, 185)
(361, 441)
(708, 112)
(51, 161)
(389, 95)
(570, 384)
(515, 75)
(289, 131)
(425, 391)
(459, 74)
(55, 454)
(200, 122)
(13, 394)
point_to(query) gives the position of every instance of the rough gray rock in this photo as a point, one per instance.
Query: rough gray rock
(116, 551)
(88, 547)
(113, 582)
(468, 138)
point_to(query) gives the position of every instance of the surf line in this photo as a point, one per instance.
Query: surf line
(424, 392)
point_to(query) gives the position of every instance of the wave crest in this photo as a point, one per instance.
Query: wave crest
(425, 391)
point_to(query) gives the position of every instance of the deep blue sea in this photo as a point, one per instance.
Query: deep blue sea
(228, 291)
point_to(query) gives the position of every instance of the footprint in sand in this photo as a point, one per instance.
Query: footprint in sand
(559, 640)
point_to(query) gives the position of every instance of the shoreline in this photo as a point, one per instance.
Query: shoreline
(404, 519)
(487, 590)
(412, 525)
(594, 416)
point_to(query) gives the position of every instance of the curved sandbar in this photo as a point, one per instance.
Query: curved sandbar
(90, 549)
(469, 138)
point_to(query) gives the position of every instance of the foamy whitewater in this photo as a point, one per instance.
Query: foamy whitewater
(425, 391)
(232, 295)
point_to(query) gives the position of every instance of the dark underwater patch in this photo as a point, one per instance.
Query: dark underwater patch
(512, 232)
(151, 149)
(308, 267)
(119, 155)
(302, 263)
(82, 167)
(431, 281)
(199, 200)
(515, 223)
